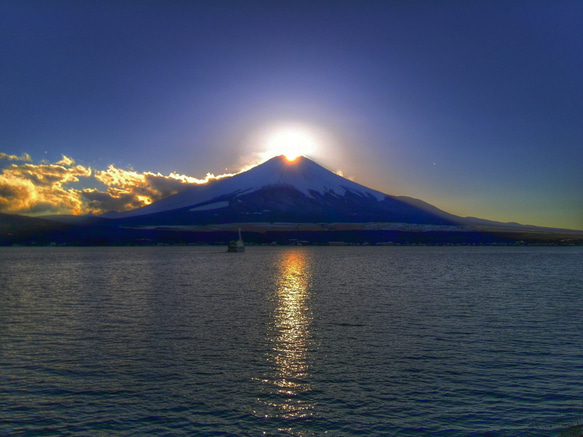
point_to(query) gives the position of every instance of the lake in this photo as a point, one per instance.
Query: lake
(291, 341)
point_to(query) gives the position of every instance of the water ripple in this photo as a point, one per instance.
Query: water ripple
(291, 341)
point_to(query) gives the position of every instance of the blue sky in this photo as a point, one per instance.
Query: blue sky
(475, 107)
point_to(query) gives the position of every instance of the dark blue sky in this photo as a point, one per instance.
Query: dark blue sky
(475, 107)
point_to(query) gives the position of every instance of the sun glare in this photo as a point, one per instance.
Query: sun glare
(291, 143)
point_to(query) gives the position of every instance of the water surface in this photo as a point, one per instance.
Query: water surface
(291, 341)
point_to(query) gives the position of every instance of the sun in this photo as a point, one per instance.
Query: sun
(291, 143)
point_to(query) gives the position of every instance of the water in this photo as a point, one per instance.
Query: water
(291, 341)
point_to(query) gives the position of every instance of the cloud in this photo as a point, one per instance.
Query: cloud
(127, 189)
(23, 157)
(49, 188)
(66, 161)
(41, 189)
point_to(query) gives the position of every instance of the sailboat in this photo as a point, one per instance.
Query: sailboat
(237, 246)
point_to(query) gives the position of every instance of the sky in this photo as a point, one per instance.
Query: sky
(473, 106)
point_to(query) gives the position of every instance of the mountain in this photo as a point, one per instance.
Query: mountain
(14, 227)
(278, 201)
(280, 190)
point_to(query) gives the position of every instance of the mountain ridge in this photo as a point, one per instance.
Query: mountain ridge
(281, 190)
(219, 199)
(302, 173)
(279, 201)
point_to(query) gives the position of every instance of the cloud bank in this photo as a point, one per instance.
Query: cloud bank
(61, 187)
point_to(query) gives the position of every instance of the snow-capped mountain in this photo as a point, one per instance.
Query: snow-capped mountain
(283, 202)
(290, 191)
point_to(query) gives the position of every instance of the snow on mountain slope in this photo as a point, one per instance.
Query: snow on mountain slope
(302, 174)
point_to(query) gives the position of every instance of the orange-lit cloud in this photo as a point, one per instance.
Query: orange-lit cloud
(127, 189)
(46, 188)
(23, 157)
(41, 189)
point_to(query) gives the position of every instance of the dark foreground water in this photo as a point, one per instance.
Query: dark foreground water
(291, 341)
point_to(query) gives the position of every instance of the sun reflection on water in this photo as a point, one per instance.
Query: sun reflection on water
(290, 339)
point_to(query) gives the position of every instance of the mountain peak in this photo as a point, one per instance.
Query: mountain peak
(301, 174)
(284, 162)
